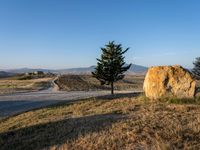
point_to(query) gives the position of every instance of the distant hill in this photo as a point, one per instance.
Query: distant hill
(134, 69)
(4, 74)
(137, 69)
(25, 70)
(83, 70)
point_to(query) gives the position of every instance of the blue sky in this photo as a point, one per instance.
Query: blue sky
(69, 33)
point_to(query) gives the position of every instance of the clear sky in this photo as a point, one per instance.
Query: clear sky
(69, 33)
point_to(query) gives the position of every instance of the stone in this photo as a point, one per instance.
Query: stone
(164, 81)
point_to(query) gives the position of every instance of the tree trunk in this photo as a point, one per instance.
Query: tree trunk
(112, 88)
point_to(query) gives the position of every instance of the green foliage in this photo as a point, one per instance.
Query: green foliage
(175, 100)
(185, 100)
(196, 69)
(111, 66)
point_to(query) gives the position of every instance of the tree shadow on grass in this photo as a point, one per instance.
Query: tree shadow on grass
(120, 95)
(25, 106)
(45, 135)
(98, 98)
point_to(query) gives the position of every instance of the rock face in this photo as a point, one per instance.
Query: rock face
(163, 81)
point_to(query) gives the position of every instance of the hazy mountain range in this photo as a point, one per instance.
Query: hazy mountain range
(134, 69)
(5, 74)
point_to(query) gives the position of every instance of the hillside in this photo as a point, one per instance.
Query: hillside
(12, 85)
(129, 122)
(89, 83)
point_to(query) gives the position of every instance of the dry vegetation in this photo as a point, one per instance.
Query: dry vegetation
(12, 85)
(198, 83)
(129, 122)
(87, 82)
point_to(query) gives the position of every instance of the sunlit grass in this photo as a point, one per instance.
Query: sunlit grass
(11, 85)
(106, 123)
(87, 82)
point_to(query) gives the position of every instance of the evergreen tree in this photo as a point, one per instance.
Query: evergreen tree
(196, 69)
(111, 66)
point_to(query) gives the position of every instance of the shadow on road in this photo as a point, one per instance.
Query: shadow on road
(9, 108)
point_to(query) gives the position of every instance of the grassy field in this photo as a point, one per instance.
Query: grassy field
(123, 122)
(12, 85)
(87, 82)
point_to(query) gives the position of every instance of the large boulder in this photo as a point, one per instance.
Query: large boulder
(163, 81)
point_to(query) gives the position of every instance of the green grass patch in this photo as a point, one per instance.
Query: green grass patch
(184, 100)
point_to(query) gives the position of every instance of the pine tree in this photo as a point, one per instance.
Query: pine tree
(196, 69)
(111, 66)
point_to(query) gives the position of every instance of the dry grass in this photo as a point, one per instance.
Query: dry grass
(105, 123)
(87, 82)
(198, 83)
(11, 85)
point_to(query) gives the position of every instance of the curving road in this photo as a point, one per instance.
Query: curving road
(12, 104)
(16, 103)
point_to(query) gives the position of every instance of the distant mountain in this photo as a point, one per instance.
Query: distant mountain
(134, 69)
(25, 70)
(137, 69)
(4, 74)
(83, 70)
